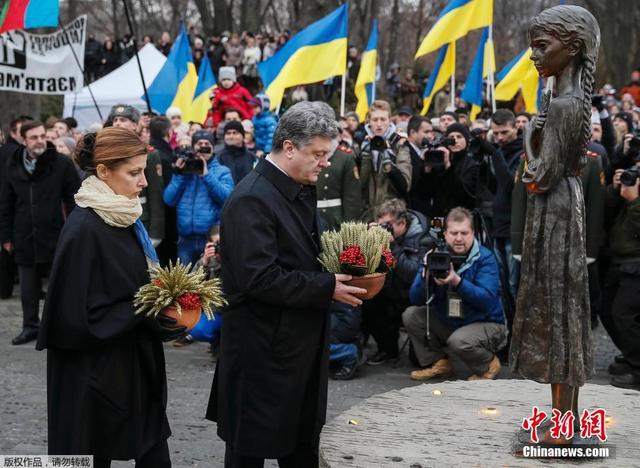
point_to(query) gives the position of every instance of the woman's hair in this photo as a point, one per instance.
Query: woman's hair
(110, 146)
(569, 23)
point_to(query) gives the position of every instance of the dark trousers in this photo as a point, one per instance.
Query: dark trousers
(620, 312)
(382, 319)
(303, 457)
(156, 457)
(30, 290)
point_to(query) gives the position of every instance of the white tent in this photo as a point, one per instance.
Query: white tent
(122, 86)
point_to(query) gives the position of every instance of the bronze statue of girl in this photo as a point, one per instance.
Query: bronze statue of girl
(551, 340)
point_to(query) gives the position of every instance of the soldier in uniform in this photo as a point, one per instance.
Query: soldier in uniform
(338, 189)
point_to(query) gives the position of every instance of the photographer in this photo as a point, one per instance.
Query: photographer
(199, 188)
(384, 172)
(466, 314)
(621, 293)
(453, 177)
(382, 313)
(629, 147)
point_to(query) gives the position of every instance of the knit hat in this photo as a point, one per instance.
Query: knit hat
(626, 116)
(202, 135)
(458, 127)
(405, 110)
(173, 111)
(126, 111)
(352, 114)
(452, 114)
(228, 73)
(595, 118)
(265, 102)
(234, 125)
(248, 126)
(70, 143)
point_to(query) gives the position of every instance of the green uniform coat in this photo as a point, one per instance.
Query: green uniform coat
(340, 182)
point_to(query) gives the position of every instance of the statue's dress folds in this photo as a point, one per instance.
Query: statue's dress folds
(551, 341)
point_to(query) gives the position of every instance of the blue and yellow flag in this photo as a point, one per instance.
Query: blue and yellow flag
(456, 20)
(484, 64)
(367, 74)
(443, 69)
(314, 54)
(202, 97)
(520, 73)
(175, 84)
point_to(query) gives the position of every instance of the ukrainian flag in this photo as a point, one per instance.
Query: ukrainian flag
(520, 73)
(483, 65)
(443, 69)
(175, 84)
(456, 20)
(202, 97)
(367, 75)
(314, 54)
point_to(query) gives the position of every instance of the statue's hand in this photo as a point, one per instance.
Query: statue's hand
(539, 121)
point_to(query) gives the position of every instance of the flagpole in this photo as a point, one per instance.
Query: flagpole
(75, 56)
(343, 93)
(492, 75)
(135, 50)
(453, 77)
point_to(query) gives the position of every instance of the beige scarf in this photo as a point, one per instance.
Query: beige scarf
(115, 210)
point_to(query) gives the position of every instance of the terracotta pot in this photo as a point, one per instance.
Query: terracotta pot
(188, 318)
(372, 283)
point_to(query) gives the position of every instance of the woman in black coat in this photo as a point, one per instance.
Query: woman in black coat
(106, 382)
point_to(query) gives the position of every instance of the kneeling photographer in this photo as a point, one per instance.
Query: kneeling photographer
(198, 190)
(382, 314)
(463, 313)
(621, 292)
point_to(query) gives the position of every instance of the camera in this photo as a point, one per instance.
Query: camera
(192, 164)
(377, 143)
(433, 157)
(387, 227)
(629, 176)
(634, 145)
(216, 246)
(439, 260)
(597, 100)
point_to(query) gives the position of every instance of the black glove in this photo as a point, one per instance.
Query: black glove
(487, 148)
(164, 327)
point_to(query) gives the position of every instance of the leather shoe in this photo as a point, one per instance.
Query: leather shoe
(381, 358)
(630, 380)
(620, 359)
(492, 371)
(441, 368)
(25, 337)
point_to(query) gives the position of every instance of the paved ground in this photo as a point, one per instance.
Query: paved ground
(190, 371)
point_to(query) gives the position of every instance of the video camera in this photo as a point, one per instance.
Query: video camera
(382, 146)
(439, 259)
(432, 156)
(192, 163)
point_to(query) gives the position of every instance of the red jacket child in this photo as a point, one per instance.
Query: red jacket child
(228, 94)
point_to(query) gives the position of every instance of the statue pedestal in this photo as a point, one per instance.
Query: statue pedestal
(468, 424)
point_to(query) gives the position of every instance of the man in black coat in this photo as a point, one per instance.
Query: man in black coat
(37, 194)
(235, 154)
(269, 392)
(159, 133)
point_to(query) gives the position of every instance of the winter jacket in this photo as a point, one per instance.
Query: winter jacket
(199, 199)
(379, 186)
(623, 221)
(240, 161)
(506, 161)
(479, 290)
(455, 186)
(33, 206)
(264, 125)
(408, 251)
(236, 97)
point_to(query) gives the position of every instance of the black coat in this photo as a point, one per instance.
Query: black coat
(269, 392)
(455, 186)
(505, 161)
(33, 206)
(240, 161)
(419, 189)
(106, 382)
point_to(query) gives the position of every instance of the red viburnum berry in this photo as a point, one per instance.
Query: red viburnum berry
(353, 255)
(158, 282)
(189, 301)
(388, 257)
